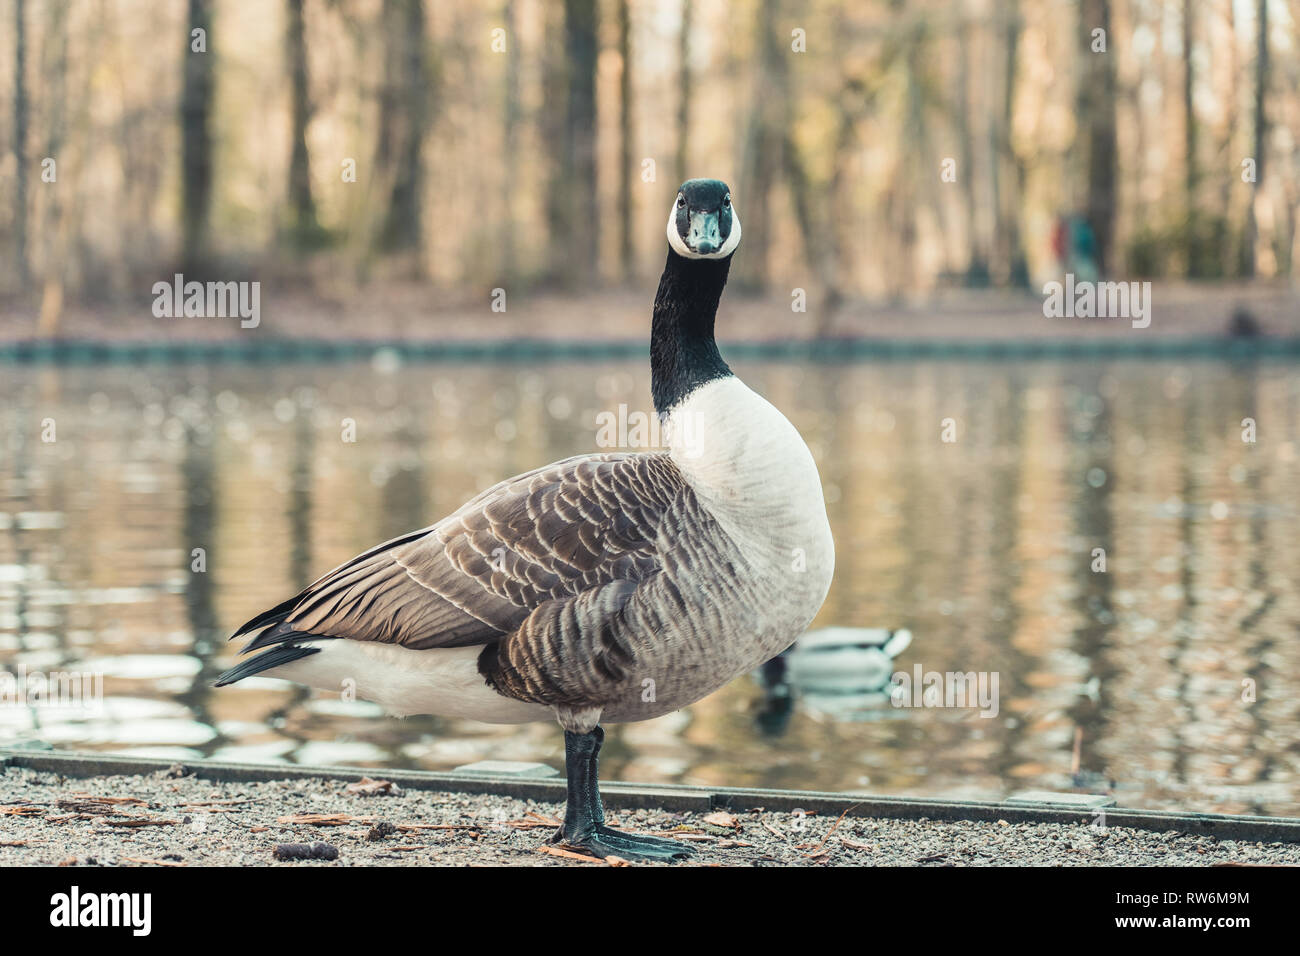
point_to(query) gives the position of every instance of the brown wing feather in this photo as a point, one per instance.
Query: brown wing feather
(543, 536)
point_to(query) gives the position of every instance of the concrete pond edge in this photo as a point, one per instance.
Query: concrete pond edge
(527, 784)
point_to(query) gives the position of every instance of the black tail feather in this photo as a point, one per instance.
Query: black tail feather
(277, 614)
(273, 616)
(275, 657)
(280, 634)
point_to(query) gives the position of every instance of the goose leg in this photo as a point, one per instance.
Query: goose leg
(584, 818)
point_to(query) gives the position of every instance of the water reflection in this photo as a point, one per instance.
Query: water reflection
(1098, 535)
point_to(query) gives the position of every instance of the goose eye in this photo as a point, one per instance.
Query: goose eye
(681, 201)
(726, 200)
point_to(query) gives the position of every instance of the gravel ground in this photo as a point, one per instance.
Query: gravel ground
(167, 819)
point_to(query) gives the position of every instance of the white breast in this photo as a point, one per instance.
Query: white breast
(754, 473)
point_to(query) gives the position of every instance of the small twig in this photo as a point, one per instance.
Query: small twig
(610, 860)
(524, 825)
(774, 831)
(148, 862)
(568, 854)
(439, 826)
(834, 827)
(686, 835)
(82, 797)
(323, 819)
(138, 822)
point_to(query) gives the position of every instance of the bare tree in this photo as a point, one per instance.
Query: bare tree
(196, 137)
(625, 125)
(1190, 128)
(1249, 265)
(302, 207)
(510, 136)
(54, 224)
(1095, 107)
(763, 142)
(571, 201)
(1006, 201)
(682, 159)
(20, 142)
(403, 118)
(976, 257)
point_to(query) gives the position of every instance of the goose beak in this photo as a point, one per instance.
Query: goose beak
(705, 235)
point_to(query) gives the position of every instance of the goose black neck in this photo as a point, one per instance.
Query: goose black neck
(683, 354)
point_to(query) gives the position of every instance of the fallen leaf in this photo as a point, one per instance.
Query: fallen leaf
(365, 787)
(721, 818)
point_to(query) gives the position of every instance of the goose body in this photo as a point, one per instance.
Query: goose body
(603, 588)
(714, 595)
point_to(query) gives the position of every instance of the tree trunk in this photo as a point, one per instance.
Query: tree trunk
(196, 140)
(54, 226)
(403, 119)
(763, 145)
(976, 257)
(1190, 131)
(302, 208)
(1249, 264)
(571, 207)
(626, 253)
(510, 135)
(20, 144)
(1010, 247)
(681, 163)
(1096, 116)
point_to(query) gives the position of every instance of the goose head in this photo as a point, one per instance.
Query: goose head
(703, 223)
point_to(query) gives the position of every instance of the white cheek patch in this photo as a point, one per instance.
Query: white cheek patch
(679, 244)
(733, 239)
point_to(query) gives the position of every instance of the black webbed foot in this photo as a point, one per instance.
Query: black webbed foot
(606, 841)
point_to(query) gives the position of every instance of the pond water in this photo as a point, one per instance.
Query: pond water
(1171, 677)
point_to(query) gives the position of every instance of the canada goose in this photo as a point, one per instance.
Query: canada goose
(609, 587)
